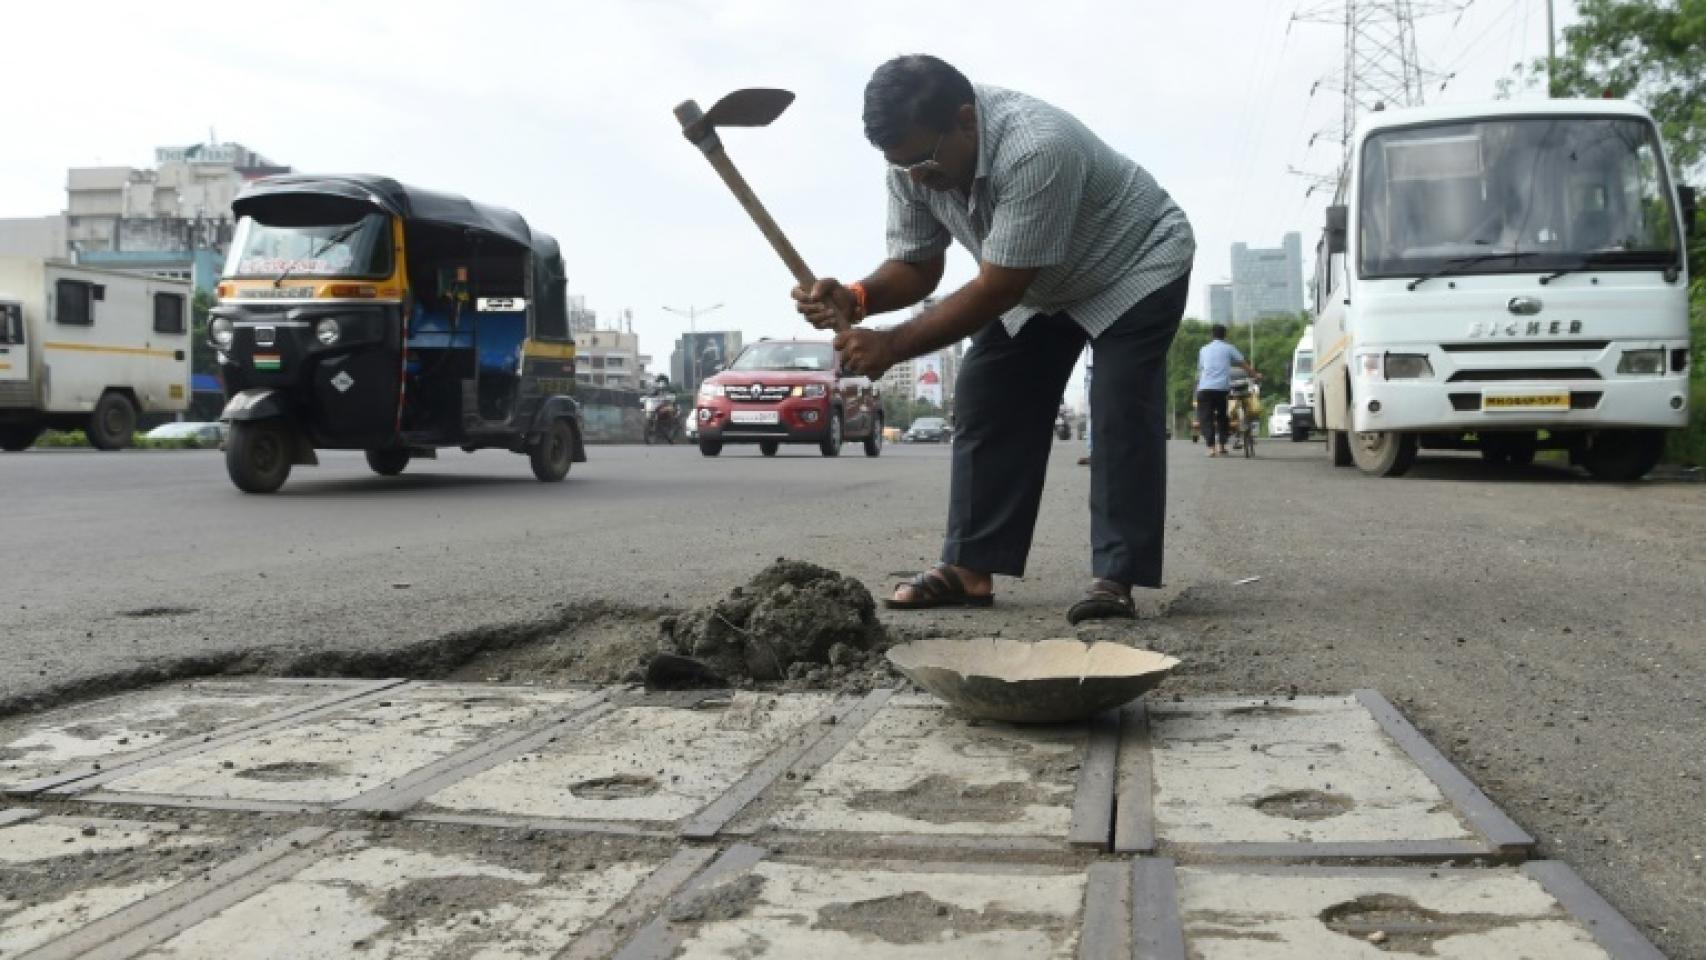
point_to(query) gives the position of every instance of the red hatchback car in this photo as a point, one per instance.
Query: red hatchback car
(788, 391)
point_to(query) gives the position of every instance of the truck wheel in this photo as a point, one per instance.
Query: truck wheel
(257, 455)
(1383, 453)
(769, 447)
(387, 462)
(1623, 456)
(15, 437)
(1339, 445)
(710, 448)
(112, 424)
(874, 442)
(554, 452)
(830, 446)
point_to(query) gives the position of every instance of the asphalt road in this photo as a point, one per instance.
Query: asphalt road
(1549, 634)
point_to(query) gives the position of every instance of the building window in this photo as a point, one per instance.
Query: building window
(169, 313)
(74, 303)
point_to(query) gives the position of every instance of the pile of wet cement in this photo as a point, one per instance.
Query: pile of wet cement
(794, 623)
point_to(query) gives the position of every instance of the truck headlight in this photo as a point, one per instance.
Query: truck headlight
(328, 331)
(1408, 366)
(221, 331)
(1642, 361)
(708, 390)
(816, 389)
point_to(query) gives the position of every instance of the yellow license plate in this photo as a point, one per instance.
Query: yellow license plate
(1527, 401)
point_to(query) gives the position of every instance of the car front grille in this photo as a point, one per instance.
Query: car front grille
(757, 393)
(1491, 374)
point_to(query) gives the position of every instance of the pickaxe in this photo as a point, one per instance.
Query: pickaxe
(753, 107)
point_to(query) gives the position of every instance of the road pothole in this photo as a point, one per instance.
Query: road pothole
(1305, 805)
(916, 917)
(942, 799)
(147, 613)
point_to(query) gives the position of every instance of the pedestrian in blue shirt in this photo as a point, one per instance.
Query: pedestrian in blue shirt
(1214, 382)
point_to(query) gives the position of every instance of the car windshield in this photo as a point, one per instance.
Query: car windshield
(264, 250)
(1550, 190)
(928, 423)
(785, 355)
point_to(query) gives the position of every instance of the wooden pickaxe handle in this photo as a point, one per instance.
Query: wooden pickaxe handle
(711, 145)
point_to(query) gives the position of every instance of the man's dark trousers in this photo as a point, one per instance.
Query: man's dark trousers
(1005, 401)
(1212, 417)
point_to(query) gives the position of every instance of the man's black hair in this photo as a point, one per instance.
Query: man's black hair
(1219, 331)
(914, 90)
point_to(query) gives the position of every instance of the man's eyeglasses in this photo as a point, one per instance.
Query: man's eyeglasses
(922, 168)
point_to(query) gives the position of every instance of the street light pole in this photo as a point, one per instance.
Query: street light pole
(1551, 51)
(691, 354)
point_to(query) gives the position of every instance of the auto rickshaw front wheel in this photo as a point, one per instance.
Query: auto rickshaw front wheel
(387, 462)
(258, 455)
(554, 452)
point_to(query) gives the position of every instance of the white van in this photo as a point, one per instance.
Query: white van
(1505, 278)
(87, 349)
(1303, 386)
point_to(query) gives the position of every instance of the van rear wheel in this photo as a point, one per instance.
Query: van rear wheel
(112, 424)
(15, 437)
(257, 455)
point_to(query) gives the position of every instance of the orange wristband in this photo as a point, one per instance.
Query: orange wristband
(858, 292)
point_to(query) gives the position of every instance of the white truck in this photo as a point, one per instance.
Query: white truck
(88, 349)
(1507, 278)
(1302, 413)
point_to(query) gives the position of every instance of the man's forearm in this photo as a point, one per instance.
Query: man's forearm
(898, 284)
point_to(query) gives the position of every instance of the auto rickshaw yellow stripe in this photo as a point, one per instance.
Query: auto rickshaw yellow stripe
(553, 351)
(98, 348)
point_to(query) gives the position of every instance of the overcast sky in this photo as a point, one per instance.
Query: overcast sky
(561, 110)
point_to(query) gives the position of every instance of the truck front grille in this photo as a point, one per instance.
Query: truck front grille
(17, 393)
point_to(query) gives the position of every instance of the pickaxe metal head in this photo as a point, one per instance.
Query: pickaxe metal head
(752, 107)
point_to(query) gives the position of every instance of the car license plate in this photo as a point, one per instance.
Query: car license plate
(1526, 401)
(754, 416)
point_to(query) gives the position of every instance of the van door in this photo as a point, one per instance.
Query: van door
(15, 387)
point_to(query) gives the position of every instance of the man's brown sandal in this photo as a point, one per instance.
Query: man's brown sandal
(939, 586)
(1103, 601)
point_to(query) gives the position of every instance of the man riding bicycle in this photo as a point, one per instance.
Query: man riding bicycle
(1215, 362)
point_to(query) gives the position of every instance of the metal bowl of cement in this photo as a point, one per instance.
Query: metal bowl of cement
(1049, 681)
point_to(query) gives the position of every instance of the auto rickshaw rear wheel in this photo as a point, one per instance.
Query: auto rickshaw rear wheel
(257, 455)
(554, 452)
(387, 462)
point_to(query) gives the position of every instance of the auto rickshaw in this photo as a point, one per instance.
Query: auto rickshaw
(357, 313)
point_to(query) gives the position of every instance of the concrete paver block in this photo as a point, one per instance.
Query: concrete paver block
(1315, 776)
(918, 774)
(423, 897)
(643, 764)
(42, 750)
(60, 873)
(345, 752)
(1325, 913)
(752, 907)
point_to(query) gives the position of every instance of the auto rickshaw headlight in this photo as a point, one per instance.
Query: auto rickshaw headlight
(327, 331)
(221, 331)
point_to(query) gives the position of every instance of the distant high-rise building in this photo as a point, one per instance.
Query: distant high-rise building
(1267, 282)
(698, 355)
(1219, 303)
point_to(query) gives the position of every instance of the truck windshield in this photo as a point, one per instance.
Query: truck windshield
(1535, 194)
(781, 355)
(1305, 365)
(265, 250)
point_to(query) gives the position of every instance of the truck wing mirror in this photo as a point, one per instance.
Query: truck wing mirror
(1338, 220)
(1690, 210)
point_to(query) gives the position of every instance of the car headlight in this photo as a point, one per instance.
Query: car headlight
(816, 389)
(1642, 361)
(1408, 366)
(328, 331)
(222, 331)
(710, 390)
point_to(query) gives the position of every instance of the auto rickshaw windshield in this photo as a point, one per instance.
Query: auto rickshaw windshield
(359, 248)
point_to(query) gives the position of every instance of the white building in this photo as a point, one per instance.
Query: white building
(611, 358)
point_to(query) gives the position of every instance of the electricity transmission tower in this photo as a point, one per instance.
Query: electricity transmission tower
(1381, 66)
